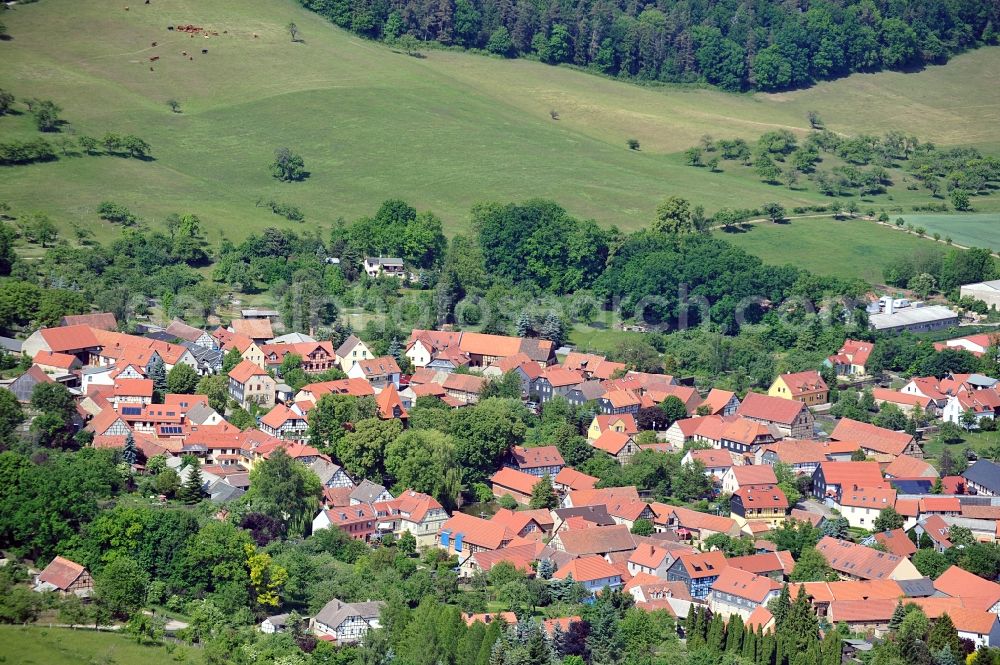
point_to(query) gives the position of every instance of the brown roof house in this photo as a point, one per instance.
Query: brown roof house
(250, 384)
(65, 577)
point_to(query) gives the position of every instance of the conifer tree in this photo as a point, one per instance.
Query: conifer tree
(716, 638)
(943, 634)
(833, 647)
(543, 495)
(750, 646)
(190, 491)
(781, 606)
(523, 328)
(552, 329)
(766, 649)
(801, 626)
(734, 634)
(158, 374)
(945, 657)
(130, 453)
(898, 615)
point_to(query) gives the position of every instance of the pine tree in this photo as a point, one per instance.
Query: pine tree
(697, 636)
(766, 649)
(524, 325)
(158, 374)
(605, 639)
(898, 615)
(734, 634)
(190, 491)
(545, 569)
(801, 626)
(552, 329)
(130, 453)
(945, 657)
(558, 640)
(691, 623)
(395, 349)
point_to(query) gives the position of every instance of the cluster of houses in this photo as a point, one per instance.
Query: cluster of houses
(589, 536)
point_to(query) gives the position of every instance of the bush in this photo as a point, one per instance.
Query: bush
(633, 144)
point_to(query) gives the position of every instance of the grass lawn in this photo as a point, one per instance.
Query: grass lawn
(444, 131)
(598, 340)
(62, 646)
(978, 441)
(841, 248)
(971, 230)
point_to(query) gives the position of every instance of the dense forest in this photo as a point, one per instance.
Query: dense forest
(736, 45)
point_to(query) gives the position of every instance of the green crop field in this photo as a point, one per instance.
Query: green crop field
(62, 646)
(443, 131)
(969, 229)
(827, 246)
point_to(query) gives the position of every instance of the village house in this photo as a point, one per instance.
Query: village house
(357, 521)
(351, 351)
(182, 331)
(315, 356)
(983, 478)
(980, 404)
(463, 535)
(388, 266)
(717, 462)
(791, 418)
(747, 474)
(570, 480)
(742, 435)
(650, 559)
(874, 440)
(681, 432)
(65, 577)
(738, 592)
(619, 402)
(776, 565)
(765, 503)
(513, 483)
(857, 562)
(698, 572)
(719, 403)
(464, 387)
(251, 384)
(977, 592)
(330, 474)
(380, 372)
(530, 524)
(423, 345)
(905, 402)
(601, 423)
(592, 366)
(861, 506)
(413, 512)
(906, 467)
(599, 540)
(803, 457)
(593, 572)
(347, 623)
(259, 330)
(619, 445)
(851, 359)
(285, 423)
(57, 363)
(537, 461)
(806, 387)
(832, 478)
(555, 382)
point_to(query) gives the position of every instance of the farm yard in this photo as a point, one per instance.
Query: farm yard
(459, 128)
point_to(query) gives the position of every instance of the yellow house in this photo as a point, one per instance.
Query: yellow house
(806, 387)
(623, 423)
(352, 351)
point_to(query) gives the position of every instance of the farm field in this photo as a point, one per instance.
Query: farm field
(443, 131)
(840, 248)
(62, 646)
(969, 229)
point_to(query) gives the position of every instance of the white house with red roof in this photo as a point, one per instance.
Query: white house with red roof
(747, 474)
(593, 572)
(251, 384)
(285, 422)
(717, 461)
(738, 592)
(619, 445)
(980, 403)
(536, 461)
(876, 441)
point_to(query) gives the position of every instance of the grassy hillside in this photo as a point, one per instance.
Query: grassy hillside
(976, 229)
(61, 646)
(443, 131)
(841, 248)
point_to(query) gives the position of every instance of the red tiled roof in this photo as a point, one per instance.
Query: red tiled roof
(905, 466)
(69, 338)
(513, 479)
(278, 416)
(597, 540)
(871, 437)
(940, 504)
(704, 564)
(897, 542)
(762, 496)
(857, 560)
(711, 457)
(876, 498)
(245, 371)
(61, 573)
(477, 531)
(378, 366)
(587, 569)
(873, 610)
(390, 405)
(797, 451)
(766, 562)
(772, 409)
(101, 320)
(465, 383)
(762, 618)
(611, 442)
(51, 359)
(538, 456)
(560, 377)
(574, 479)
(253, 328)
(896, 397)
(960, 583)
(802, 383)
(847, 474)
(717, 399)
(754, 474)
(744, 584)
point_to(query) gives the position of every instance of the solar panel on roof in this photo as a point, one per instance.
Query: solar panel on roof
(131, 410)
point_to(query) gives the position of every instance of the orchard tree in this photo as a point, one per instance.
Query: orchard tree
(182, 379)
(774, 211)
(121, 587)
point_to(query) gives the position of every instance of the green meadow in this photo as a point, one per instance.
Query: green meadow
(442, 131)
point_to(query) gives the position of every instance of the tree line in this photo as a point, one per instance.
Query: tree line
(735, 46)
